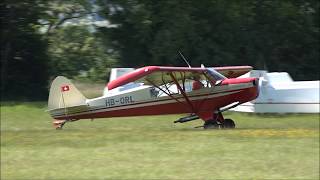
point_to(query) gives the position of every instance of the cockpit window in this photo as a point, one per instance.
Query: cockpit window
(215, 75)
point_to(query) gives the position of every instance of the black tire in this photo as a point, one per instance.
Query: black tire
(211, 124)
(229, 124)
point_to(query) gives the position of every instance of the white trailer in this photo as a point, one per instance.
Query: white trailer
(280, 94)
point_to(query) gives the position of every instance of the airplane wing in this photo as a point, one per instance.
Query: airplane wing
(159, 75)
(233, 71)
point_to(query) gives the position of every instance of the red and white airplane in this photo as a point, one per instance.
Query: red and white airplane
(155, 90)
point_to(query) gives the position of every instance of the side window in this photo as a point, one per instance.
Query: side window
(154, 92)
(197, 84)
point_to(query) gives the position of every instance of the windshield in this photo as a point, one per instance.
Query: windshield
(215, 75)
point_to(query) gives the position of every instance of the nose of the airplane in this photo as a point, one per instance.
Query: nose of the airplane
(249, 87)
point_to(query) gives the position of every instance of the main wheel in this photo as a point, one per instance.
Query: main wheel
(229, 123)
(210, 124)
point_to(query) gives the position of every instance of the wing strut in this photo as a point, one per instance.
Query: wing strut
(183, 80)
(182, 92)
(170, 95)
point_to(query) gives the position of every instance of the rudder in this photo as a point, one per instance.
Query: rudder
(64, 94)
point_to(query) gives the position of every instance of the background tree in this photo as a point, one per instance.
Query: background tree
(23, 51)
(59, 12)
(277, 35)
(42, 39)
(75, 49)
(78, 53)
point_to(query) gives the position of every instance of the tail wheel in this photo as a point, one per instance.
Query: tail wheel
(229, 123)
(58, 124)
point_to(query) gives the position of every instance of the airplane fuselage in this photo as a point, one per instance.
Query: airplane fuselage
(143, 100)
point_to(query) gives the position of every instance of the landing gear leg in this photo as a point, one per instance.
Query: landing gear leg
(211, 124)
(215, 122)
(218, 122)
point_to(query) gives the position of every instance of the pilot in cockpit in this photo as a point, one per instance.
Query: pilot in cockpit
(197, 84)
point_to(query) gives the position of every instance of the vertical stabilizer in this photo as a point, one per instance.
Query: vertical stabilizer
(64, 94)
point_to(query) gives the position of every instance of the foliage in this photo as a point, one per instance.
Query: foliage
(49, 39)
(59, 12)
(75, 52)
(276, 35)
(23, 51)
(42, 39)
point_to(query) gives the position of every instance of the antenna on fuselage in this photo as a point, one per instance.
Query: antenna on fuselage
(185, 60)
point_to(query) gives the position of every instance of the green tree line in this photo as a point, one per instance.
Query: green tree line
(42, 39)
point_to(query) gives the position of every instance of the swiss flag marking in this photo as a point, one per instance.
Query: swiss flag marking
(65, 88)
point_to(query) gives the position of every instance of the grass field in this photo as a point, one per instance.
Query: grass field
(262, 147)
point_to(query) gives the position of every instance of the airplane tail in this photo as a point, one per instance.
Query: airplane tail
(64, 99)
(63, 94)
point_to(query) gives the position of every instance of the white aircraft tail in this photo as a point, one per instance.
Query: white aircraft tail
(64, 94)
(117, 72)
(114, 74)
